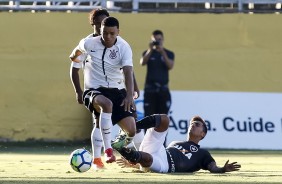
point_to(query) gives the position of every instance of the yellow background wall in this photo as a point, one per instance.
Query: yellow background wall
(214, 52)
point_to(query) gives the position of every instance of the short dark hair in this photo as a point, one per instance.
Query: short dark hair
(110, 22)
(198, 118)
(96, 13)
(157, 32)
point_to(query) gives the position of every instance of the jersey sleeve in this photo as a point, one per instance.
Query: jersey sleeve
(127, 58)
(207, 160)
(80, 47)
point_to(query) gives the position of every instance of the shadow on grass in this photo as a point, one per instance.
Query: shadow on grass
(41, 147)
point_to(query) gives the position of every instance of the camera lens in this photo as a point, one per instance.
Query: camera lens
(156, 43)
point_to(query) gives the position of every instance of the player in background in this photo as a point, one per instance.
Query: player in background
(96, 97)
(179, 156)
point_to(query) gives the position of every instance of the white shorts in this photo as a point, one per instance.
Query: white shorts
(153, 143)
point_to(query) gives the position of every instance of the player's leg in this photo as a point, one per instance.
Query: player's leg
(123, 118)
(139, 135)
(97, 142)
(152, 153)
(164, 101)
(93, 99)
(128, 126)
(138, 138)
(145, 123)
(105, 124)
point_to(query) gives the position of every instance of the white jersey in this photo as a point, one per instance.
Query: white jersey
(103, 66)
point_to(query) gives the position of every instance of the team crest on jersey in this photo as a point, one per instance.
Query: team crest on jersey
(113, 54)
(193, 148)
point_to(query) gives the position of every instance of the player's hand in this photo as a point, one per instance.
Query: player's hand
(231, 167)
(136, 94)
(79, 97)
(123, 163)
(128, 103)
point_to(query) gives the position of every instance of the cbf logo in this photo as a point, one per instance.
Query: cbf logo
(113, 54)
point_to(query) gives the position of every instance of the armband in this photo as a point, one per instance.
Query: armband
(75, 64)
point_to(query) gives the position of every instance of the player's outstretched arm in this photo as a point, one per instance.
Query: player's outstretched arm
(228, 167)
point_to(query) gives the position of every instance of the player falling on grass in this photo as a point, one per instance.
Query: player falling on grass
(179, 156)
(108, 80)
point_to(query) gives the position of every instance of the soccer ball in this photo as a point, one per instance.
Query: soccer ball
(81, 160)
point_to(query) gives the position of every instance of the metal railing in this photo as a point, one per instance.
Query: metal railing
(83, 5)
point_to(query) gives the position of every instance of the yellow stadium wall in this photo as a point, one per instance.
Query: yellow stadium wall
(214, 52)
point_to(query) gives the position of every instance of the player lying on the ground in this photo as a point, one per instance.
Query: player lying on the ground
(179, 156)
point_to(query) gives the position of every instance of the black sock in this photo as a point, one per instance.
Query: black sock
(149, 122)
(130, 154)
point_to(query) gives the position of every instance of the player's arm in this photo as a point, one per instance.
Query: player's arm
(128, 76)
(136, 88)
(74, 75)
(213, 168)
(77, 56)
(77, 53)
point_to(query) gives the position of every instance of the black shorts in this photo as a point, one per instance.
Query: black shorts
(115, 95)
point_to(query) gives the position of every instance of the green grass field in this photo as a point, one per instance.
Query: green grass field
(50, 164)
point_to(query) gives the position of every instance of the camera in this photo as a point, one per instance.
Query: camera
(156, 43)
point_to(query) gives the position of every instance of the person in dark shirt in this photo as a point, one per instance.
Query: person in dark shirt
(179, 156)
(159, 61)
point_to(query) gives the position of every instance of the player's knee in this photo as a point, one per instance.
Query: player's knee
(146, 160)
(131, 132)
(128, 125)
(106, 105)
(162, 122)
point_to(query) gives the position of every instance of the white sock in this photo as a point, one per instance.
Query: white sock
(106, 128)
(97, 142)
(138, 138)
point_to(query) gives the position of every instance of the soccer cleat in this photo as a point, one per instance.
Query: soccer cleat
(109, 155)
(121, 140)
(98, 164)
